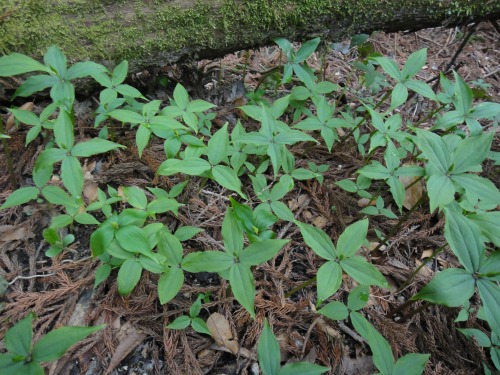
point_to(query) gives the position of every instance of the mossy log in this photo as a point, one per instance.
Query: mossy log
(158, 32)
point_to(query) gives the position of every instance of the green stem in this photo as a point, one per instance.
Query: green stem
(300, 287)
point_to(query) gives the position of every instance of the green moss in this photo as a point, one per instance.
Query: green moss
(132, 29)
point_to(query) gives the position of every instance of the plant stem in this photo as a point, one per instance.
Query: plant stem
(8, 157)
(301, 286)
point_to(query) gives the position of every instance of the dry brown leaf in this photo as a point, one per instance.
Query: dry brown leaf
(320, 222)
(364, 202)
(11, 122)
(424, 271)
(427, 253)
(221, 332)
(128, 337)
(9, 233)
(414, 192)
(89, 185)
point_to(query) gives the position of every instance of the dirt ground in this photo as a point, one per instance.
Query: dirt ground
(60, 290)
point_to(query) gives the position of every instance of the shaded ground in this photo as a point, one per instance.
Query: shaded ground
(59, 290)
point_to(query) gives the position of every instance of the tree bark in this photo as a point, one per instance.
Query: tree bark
(159, 32)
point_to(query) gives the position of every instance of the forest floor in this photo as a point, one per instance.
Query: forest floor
(60, 290)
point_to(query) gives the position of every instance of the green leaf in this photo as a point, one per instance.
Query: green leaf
(479, 187)
(18, 338)
(260, 252)
(490, 296)
(20, 196)
(11, 365)
(414, 64)
(440, 190)
(101, 274)
(187, 232)
(317, 240)
(56, 195)
(120, 73)
(55, 343)
(451, 287)
(169, 284)
(471, 152)
(128, 276)
(135, 196)
(232, 234)
(72, 175)
(228, 178)
(481, 337)
(180, 322)
(55, 59)
(434, 148)
(181, 96)
(133, 239)
(25, 117)
(218, 146)
(268, 351)
(399, 95)
(382, 352)
(411, 364)
(282, 211)
(390, 67)
(83, 69)
(94, 147)
(200, 326)
(335, 310)
(207, 261)
(242, 285)
(352, 238)
(63, 131)
(86, 219)
(125, 115)
(375, 170)
(421, 88)
(199, 105)
(490, 268)
(464, 239)
(16, 63)
(329, 278)
(306, 50)
(100, 240)
(193, 166)
(363, 272)
(142, 138)
(358, 297)
(302, 368)
(129, 91)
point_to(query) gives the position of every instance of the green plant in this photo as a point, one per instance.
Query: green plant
(196, 322)
(25, 357)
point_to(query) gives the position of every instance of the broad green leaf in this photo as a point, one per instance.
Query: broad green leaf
(129, 91)
(135, 196)
(11, 365)
(120, 73)
(169, 284)
(290, 137)
(397, 190)
(93, 147)
(490, 296)
(72, 175)
(464, 239)
(232, 235)
(124, 115)
(55, 343)
(399, 95)
(358, 297)
(414, 64)
(20, 196)
(180, 322)
(335, 310)
(131, 216)
(479, 187)
(218, 146)
(440, 190)
(411, 364)
(200, 326)
(61, 221)
(352, 238)
(434, 148)
(16, 63)
(363, 272)
(390, 67)
(329, 278)
(100, 239)
(18, 338)
(463, 95)
(228, 178)
(25, 117)
(86, 219)
(142, 137)
(282, 211)
(421, 88)
(260, 252)
(471, 152)
(199, 105)
(129, 275)
(56, 195)
(207, 261)
(302, 368)
(382, 352)
(317, 240)
(303, 174)
(133, 239)
(193, 166)
(490, 268)
(35, 84)
(268, 351)
(481, 337)
(375, 170)
(63, 131)
(181, 96)
(83, 69)
(101, 274)
(306, 50)
(242, 285)
(55, 59)
(485, 110)
(187, 232)
(452, 287)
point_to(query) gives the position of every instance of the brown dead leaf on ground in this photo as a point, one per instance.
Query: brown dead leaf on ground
(220, 330)
(128, 338)
(9, 233)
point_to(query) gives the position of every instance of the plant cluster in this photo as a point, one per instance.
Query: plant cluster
(259, 166)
